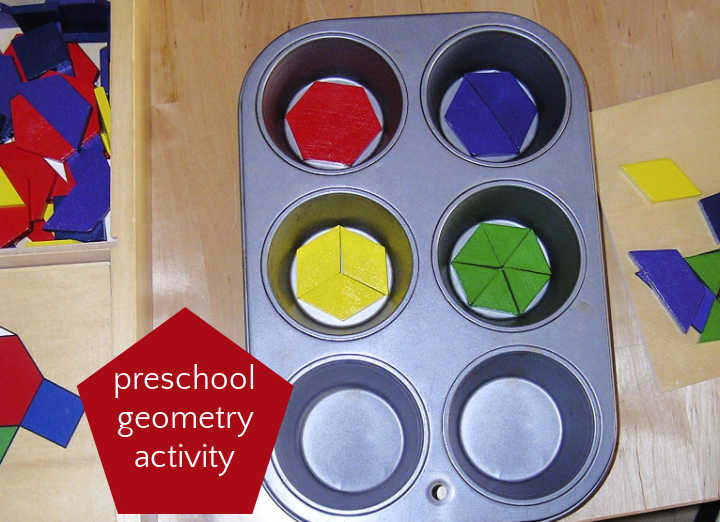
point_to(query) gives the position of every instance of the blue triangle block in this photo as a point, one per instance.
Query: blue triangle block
(60, 104)
(675, 283)
(475, 125)
(96, 234)
(105, 69)
(509, 103)
(89, 201)
(703, 312)
(54, 413)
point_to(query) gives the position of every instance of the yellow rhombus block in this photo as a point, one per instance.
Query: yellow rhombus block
(341, 272)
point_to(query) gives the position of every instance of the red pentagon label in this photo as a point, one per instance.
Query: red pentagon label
(185, 421)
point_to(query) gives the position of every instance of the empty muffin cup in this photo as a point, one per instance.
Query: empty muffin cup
(331, 62)
(318, 213)
(521, 204)
(527, 67)
(354, 436)
(520, 425)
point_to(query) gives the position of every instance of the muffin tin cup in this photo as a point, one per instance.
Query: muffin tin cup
(520, 425)
(427, 410)
(323, 210)
(330, 55)
(508, 49)
(529, 206)
(354, 436)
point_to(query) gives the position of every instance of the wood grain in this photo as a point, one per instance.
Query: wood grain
(628, 50)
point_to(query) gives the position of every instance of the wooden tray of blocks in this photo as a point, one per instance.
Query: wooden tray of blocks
(67, 306)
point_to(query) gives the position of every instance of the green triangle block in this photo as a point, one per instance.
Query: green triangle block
(707, 268)
(504, 239)
(497, 296)
(477, 251)
(6, 437)
(712, 327)
(529, 256)
(474, 279)
(525, 286)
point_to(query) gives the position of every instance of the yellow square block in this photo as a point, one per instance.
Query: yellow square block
(318, 261)
(661, 180)
(8, 195)
(342, 296)
(364, 260)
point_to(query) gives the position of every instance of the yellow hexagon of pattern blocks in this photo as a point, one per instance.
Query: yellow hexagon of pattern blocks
(341, 272)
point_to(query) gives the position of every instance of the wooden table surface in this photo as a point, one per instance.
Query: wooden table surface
(200, 51)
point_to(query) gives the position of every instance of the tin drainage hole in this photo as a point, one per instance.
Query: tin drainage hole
(439, 491)
(354, 434)
(341, 276)
(331, 103)
(339, 264)
(508, 255)
(495, 96)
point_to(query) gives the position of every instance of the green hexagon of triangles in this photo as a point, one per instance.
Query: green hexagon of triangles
(502, 267)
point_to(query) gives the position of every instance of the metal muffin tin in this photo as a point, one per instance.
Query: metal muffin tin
(428, 411)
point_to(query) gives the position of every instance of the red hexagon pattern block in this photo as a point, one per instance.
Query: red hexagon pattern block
(333, 122)
(19, 380)
(175, 440)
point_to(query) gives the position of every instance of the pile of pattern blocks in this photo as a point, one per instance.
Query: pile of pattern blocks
(31, 401)
(689, 287)
(54, 125)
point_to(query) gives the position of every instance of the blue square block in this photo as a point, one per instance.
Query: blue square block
(54, 413)
(89, 201)
(41, 50)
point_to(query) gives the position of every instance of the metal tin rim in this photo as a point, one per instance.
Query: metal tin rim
(275, 466)
(307, 197)
(597, 433)
(476, 318)
(508, 29)
(295, 45)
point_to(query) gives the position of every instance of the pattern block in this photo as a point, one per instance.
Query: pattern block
(490, 113)
(54, 413)
(661, 180)
(19, 380)
(333, 122)
(711, 209)
(502, 268)
(7, 434)
(341, 272)
(675, 283)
